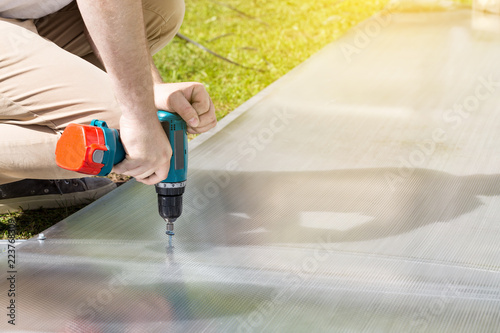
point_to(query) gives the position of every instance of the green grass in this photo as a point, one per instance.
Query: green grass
(29, 223)
(271, 37)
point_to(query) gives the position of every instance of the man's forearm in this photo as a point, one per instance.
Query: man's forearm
(117, 30)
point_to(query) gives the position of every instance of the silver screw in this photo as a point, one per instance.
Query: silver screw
(41, 236)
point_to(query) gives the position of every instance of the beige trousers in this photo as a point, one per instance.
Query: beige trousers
(50, 77)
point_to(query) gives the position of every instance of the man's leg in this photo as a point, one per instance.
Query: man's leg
(42, 89)
(162, 20)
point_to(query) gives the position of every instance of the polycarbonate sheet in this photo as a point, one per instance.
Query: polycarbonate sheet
(359, 193)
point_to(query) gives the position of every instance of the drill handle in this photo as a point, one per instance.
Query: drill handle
(115, 152)
(95, 149)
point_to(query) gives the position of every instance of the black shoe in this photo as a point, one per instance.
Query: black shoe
(31, 194)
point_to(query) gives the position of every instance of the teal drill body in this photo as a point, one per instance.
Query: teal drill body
(171, 189)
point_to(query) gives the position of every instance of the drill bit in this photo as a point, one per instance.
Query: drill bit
(170, 231)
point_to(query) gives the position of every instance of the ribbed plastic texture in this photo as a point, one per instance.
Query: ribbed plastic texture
(361, 194)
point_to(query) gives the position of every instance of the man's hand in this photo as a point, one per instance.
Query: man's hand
(148, 151)
(190, 100)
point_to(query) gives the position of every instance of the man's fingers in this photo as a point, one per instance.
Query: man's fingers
(122, 168)
(200, 99)
(178, 103)
(151, 180)
(202, 129)
(193, 108)
(207, 121)
(144, 174)
(190, 100)
(148, 176)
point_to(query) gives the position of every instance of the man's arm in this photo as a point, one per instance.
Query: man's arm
(117, 35)
(117, 30)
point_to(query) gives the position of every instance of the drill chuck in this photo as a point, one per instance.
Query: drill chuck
(170, 200)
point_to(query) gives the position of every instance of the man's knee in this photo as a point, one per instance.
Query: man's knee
(163, 18)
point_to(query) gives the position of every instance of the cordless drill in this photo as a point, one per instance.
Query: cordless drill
(95, 149)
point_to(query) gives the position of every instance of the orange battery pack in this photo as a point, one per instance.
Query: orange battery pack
(81, 148)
